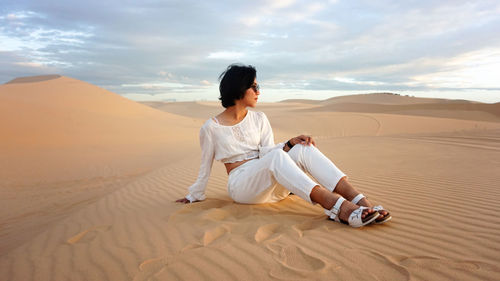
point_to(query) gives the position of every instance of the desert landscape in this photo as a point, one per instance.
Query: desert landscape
(89, 179)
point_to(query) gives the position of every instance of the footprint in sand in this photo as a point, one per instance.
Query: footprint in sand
(88, 234)
(307, 225)
(295, 262)
(267, 232)
(214, 234)
(150, 268)
(425, 266)
(210, 209)
(387, 268)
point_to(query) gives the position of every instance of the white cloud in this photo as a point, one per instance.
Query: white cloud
(354, 81)
(477, 69)
(255, 43)
(305, 12)
(10, 43)
(156, 85)
(276, 5)
(35, 42)
(30, 64)
(20, 15)
(424, 23)
(274, 35)
(226, 55)
(251, 21)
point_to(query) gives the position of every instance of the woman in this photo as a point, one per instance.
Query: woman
(262, 172)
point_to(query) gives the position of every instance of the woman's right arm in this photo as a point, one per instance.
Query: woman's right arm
(197, 190)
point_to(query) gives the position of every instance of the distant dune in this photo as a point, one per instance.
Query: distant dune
(378, 98)
(202, 111)
(469, 111)
(365, 103)
(404, 105)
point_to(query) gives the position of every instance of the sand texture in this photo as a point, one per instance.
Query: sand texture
(88, 181)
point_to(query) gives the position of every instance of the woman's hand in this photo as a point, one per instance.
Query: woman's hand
(183, 200)
(302, 139)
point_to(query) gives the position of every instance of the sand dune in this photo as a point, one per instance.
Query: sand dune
(188, 109)
(406, 105)
(64, 143)
(436, 175)
(72, 116)
(379, 98)
(466, 111)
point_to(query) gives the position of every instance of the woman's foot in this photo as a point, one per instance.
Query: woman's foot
(345, 188)
(347, 208)
(351, 214)
(384, 215)
(337, 208)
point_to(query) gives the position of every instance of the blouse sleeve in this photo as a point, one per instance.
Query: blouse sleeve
(267, 137)
(197, 190)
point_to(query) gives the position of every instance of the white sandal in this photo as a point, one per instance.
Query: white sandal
(355, 219)
(377, 208)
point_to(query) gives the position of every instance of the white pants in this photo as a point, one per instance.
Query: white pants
(272, 177)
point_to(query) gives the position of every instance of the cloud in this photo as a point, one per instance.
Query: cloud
(30, 64)
(226, 55)
(295, 45)
(276, 5)
(354, 81)
(16, 16)
(38, 43)
(477, 69)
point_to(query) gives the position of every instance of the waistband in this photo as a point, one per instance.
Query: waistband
(244, 164)
(241, 157)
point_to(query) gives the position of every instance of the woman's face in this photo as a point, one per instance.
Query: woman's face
(251, 95)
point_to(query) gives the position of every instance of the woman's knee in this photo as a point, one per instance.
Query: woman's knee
(310, 148)
(298, 151)
(277, 153)
(304, 147)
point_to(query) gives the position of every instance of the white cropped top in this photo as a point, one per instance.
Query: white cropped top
(251, 138)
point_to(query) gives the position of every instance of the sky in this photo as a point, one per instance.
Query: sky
(175, 50)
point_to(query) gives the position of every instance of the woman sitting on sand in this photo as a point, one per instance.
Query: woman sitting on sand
(262, 172)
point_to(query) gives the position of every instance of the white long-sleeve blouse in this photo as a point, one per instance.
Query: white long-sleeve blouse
(251, 138)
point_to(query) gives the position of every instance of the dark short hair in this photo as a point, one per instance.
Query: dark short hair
(234, 82)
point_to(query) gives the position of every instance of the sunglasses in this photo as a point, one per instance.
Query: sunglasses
(255, 87)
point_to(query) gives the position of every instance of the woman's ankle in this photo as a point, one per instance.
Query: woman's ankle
(364, 202)
(346, 209)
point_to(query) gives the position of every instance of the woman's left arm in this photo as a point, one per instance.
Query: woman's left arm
(302, 139)
(267, 137)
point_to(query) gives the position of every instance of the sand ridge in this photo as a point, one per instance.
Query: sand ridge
(33, 79)
(436, 175)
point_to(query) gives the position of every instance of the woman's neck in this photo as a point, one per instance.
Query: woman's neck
(236, 112)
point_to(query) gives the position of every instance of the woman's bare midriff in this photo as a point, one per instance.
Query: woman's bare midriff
(230, 166)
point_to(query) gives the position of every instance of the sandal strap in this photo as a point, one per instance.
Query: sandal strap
(355, 219)
(358, 197)
(335, 210)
